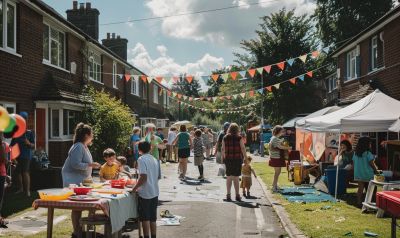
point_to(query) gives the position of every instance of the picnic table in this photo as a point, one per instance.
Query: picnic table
(119, 209)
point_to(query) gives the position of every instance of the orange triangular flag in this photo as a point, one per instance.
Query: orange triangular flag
(309, 74)
(252, 72)
(228, 97)
(315, 54)
(169, 93)
(234, 75)
(159, 79)
(292, 80)
(267, 68)
(281, 65)
(189, 78)
(251, 93)
(215, 77)
(269, 88)
(127, 77)
(144, 78)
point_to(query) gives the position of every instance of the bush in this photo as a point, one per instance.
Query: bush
(111, 120)
(199, 119)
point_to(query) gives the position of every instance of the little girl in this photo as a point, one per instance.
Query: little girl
(246, 176)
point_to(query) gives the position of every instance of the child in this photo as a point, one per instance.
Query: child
(147, 188)
(246, 176)
(110, 169)
(198, 148)
(364, 166)
(123, 161)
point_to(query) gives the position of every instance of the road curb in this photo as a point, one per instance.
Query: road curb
(287, 224)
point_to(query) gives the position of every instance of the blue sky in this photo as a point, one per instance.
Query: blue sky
(194, 44)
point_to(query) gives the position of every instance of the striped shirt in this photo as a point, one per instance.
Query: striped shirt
(274, 151)
(198, 146)
(232, 147)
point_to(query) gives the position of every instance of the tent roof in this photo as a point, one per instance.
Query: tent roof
(373, 113)
(257, 128)
(395, 127)
(291, 122)
(300, 123)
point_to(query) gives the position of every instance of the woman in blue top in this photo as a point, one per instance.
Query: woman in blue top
(135, 138)
(184, 143)
(364, 166)
(78, 165)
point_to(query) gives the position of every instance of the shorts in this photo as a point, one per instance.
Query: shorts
(184, 153)
(198, 160)
(276, 163)
(148, 209)
(233, 167)
(22, 165)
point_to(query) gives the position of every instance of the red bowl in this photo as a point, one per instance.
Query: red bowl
(82, 190)
(118, 183)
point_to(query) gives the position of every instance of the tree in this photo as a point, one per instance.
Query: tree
(283, 35)
(111, 121)
(340, 20)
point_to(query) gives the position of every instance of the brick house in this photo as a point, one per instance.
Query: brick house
(45, 60)
(370, 60)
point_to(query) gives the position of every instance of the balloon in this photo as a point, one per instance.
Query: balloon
(21, 126)
(4, 118)
(15, 152)
(9, 135)
(11, 124)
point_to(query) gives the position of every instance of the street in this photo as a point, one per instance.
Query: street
(205, 212)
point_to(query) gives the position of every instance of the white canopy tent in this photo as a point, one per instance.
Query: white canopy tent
(376, 112)
(301, 122)
(395, 127)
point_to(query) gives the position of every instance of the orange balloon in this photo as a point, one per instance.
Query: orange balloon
(20, 122)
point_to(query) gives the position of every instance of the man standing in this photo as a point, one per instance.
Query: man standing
(26, 144)
(147, 188)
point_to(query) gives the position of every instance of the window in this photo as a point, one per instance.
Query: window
(95, 69)
(155, 93)
(135, 86)
(114, 75)
(70, 120)
(352, 64)
(55, 123)
(374, 53)
(10, 107)
(165, 99)
(332, 84)
(8, 25)
(53, 46)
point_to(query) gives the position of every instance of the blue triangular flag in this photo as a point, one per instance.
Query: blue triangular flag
(260, 91)
(290, 61)
(301, 77)
(205, 78)
(242, 73)
(326, 50)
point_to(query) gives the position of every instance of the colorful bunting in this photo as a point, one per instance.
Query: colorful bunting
(301, 77)
(242, 74)
(169, 93)
(251, 93)
(243, 95)
(269, 88)
(267, 68)
(143, 78)
(159, 79)
(252, 72)
(175, 79)
(303, 58)
(326, 50)
(189, 78)
(260, 70)
(292, 80)
(290, 62)
(277, 86)
(315, 54)
(260, 91)
(127, 77)
(309, 74)
(215, 77)
(225, 76)
(234, 75)
(281, 65)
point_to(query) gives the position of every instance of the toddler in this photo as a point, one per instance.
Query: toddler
(246, 176)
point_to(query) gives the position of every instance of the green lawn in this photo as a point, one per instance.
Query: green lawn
(341, 218)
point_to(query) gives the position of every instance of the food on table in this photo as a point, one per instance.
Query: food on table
(96, 185)
(55, 194)
(108, 191)
(82, 190)
(87, 182)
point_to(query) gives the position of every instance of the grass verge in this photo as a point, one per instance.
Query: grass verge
(337, 221)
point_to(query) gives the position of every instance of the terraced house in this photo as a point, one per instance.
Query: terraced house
(46, 60)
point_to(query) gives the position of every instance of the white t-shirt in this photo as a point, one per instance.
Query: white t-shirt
(171, 137)
(148, 165)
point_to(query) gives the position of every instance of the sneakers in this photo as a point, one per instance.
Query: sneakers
(228, 198)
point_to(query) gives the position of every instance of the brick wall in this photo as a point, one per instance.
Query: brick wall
(58, 152)
(387, 78)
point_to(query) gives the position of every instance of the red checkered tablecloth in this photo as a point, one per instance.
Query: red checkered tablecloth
(101, 204)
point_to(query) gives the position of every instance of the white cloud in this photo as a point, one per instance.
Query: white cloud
(166, 65)
(227, 27)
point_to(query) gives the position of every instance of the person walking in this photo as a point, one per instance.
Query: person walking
(233, 153)
(277, 150)
(3, 176)
(134, 141)
(198, 149)
(78, 166)
(26, 144)
(218, 145)
(184, 143)
(206, 141)
(161, 151)
(171, 149)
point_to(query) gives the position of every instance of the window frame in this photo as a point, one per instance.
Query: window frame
(374, 57)
(135, 86)
(7, 105)
(61, 109)
(5, 26)
(64, 58)
(351, 57)
(155, 94)
(97, 75)
(114, 75)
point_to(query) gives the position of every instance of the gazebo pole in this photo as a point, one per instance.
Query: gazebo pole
(337, 167)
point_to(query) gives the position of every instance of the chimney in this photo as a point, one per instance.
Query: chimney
(108, 35)
(117, 45)
(85, 19)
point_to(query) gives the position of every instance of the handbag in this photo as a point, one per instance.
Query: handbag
(218, 158)
(221, 170)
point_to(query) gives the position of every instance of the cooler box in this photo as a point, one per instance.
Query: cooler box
(389, 201)
(331, 177)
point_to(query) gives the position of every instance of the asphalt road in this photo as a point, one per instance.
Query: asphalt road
(204, 211)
